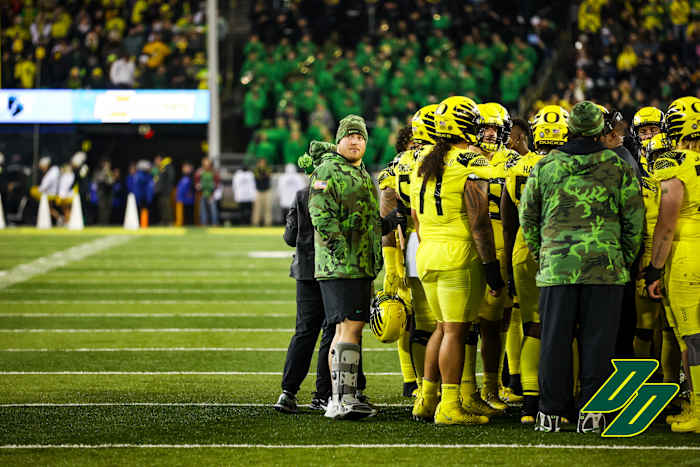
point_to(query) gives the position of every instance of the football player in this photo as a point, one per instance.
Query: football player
(401, 276)
(674, 243)
(456, 256)
(494, 133)
(549, 131)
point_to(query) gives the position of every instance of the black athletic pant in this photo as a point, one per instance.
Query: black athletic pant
(624, 346)
(595, 310)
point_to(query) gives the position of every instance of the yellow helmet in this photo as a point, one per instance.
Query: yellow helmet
(680, 118)
(458, 116)
(656, 145)
(387, 317)
(494, 114)
(549, 126)
(644, 117)
(423, 124)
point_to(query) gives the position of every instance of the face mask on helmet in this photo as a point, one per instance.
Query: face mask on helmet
(646, 123)
(493, 116)
(657, 145)
(387, 317)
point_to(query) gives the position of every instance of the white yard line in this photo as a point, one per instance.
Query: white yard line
(159, 404)
(59, 259)
(125, 290)
(261, 314)
(174, 373)
(603, 447)
(71, 331)
(147, 302)
(182, 349)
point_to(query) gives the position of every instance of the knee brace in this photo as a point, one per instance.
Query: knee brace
(346, 366)
(420, 337)
(532, 329)
(692, 342)
(644, 334)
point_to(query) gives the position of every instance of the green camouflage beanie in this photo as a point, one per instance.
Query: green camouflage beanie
(351, 124)
(586, 119)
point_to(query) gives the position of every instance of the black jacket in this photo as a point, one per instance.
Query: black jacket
(299, 233)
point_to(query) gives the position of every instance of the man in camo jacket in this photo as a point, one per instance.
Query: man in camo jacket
(582, 217)
(344, 209)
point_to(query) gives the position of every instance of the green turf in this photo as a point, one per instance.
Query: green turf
(212, 273)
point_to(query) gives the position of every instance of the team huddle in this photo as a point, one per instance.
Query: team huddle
(472, 264)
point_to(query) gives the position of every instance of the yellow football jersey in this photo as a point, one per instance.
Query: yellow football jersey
(439, 205)
(517, 173)
(497, 177)
(651, 193)
(685, 166)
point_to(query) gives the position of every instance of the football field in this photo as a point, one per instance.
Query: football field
(166, 348)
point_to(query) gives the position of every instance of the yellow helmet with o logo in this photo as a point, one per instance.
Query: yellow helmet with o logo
(495, 115)
(458, 116)
(549, 126)
(681, 116)
(387, 317)
(423, 125)
(647, 116)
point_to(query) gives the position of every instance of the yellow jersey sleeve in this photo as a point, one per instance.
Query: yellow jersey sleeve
(685, 166)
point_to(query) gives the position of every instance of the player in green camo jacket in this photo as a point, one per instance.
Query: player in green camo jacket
(581, 216)
(344, 210)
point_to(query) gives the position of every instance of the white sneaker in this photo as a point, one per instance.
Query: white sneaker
(590, 423)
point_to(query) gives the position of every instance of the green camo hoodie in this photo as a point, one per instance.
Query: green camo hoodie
(582, 216)
(345, 214)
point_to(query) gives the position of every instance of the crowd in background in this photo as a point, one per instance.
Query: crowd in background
(95, 44)
(301, 74)
(633, 53)
(164, 195)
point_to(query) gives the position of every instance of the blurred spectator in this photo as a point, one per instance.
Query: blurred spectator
(49, 179)
(121, 73)
(143, 186)
(184, 212)
(118, 197)
(164, 185)
(287, 186)
(206, 182)
(65, 193)
(244, 193)
(104, 178)
(294, 147)
(262, 207)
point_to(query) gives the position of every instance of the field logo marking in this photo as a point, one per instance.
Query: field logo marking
(626, 390)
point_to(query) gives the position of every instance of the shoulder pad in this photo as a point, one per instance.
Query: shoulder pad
(468, 159)
(678, 156)
(513, 161)
(664, 163)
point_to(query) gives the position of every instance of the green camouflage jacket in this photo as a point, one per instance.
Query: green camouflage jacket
(582, 216)
(345, 214)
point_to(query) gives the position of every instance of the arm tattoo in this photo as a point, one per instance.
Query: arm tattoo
(477, 205)
(387, 203)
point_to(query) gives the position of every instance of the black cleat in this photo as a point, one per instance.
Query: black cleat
(409, 389)
(515, 385)
(318, 402)
(287, 403)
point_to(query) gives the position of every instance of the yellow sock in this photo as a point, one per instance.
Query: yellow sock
(504, 336)
(514, 341)
(530, 362)
(642, 347)
(695, 382)
(409, 375)
(430, 388)
(450, 393)
(468, 383)
(670, 357)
